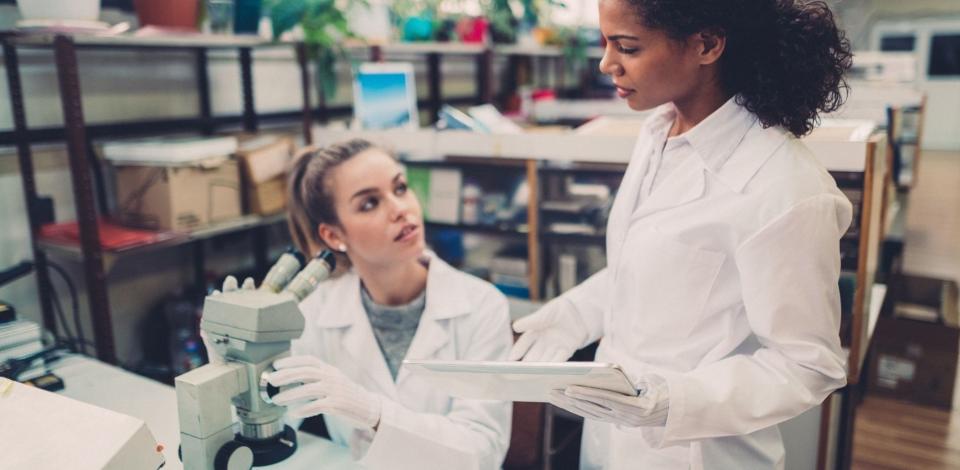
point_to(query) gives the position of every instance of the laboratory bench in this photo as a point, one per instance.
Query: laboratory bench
(94, 382)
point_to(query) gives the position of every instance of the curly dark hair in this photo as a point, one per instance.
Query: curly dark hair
(785, 59)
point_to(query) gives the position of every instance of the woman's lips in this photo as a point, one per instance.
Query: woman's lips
(624, 92)
(407, 233)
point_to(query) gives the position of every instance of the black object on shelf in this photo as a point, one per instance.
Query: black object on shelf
(477, 228)
(7, 312)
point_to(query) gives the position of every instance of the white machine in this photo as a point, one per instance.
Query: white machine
(250, 329)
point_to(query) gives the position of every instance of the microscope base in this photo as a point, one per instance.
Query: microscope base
(273, 450)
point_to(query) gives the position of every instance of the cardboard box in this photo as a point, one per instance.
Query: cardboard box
(264, 161)
(915, 358)
(181, 198)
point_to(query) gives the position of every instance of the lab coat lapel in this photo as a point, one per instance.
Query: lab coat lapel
(359, 342)
(684, 185)
(431, 335)
(625, 202)
(443, 302)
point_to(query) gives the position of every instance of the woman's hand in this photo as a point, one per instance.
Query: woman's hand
(551, 334)
(649, 408)
(325, 390)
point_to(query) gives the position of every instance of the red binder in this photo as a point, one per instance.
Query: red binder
(113, 237)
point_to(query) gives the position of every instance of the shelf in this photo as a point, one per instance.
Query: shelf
(468, 163)
(584, 169)
(428, 143)
(484, 229)
(185, 41)
(543, 51)
(580, 109)
(448, 48)
(74, 252)
(579, 238)
(457, 48)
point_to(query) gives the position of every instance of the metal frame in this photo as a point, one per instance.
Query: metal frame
(75, 133)
(69, 77)
(24, 154)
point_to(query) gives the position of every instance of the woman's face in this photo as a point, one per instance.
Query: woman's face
(647, 66)
(380, 218)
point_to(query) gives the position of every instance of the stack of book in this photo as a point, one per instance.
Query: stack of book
(19, 338)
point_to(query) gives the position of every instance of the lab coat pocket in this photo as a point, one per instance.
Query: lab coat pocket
(664, 284)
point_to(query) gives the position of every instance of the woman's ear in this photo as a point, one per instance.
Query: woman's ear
(711, 45)
(332, 236)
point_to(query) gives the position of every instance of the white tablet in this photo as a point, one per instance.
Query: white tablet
(518, 381)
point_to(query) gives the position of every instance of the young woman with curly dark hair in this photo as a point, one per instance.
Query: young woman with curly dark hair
(720, 297)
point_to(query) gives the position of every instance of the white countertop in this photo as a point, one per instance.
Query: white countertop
(110, 387)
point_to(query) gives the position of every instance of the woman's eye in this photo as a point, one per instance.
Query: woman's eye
(368, 204)
(625, 50)
(401, 189)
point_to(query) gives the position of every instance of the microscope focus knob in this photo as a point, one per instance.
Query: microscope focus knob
(233, 456)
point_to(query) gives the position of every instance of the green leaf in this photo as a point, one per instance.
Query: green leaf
(285, 14)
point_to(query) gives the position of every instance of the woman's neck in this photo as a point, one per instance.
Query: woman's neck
(393, 285)
(693, 109)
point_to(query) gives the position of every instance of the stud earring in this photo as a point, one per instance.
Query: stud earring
(342, 248)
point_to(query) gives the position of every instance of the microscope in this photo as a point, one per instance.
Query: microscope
(250, 329)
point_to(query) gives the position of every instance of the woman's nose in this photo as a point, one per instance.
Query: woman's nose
(607, 66)
(399, 208)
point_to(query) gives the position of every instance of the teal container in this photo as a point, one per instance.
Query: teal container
(246, 16)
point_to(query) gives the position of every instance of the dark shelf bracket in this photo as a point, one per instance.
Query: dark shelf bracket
(28, 180)
(65, 53)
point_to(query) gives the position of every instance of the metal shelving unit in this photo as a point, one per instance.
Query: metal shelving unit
(76, 133)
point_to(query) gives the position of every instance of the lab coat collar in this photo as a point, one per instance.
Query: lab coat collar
(357, 339)
(444, 290)
(721, 142)
(443, 301)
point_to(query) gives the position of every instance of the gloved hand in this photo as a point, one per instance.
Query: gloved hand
(325, 390)
(551, 334)
(650, 408)
(229, 285)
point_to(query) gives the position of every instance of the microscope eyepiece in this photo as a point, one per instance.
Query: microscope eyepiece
(319, 268)
(328, 257)
(282, 271)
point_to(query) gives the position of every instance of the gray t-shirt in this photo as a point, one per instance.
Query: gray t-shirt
(394, 326)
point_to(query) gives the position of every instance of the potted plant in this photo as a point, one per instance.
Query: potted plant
(325, 27)
(173, 14)
(416, 20)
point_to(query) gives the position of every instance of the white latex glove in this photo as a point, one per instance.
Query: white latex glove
(229, 285)
(551, 334)
(325, 390)
(650, 408)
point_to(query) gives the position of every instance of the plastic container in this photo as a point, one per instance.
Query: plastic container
(87, 10)
(247, 13)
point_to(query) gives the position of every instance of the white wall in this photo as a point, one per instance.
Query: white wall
(863, 18)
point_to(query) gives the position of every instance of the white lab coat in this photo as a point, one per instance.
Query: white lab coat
(420, 426)
(723, 282)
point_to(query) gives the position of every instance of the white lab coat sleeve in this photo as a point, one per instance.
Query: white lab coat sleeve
(588, 300)
(788, 271)
(473, 434)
